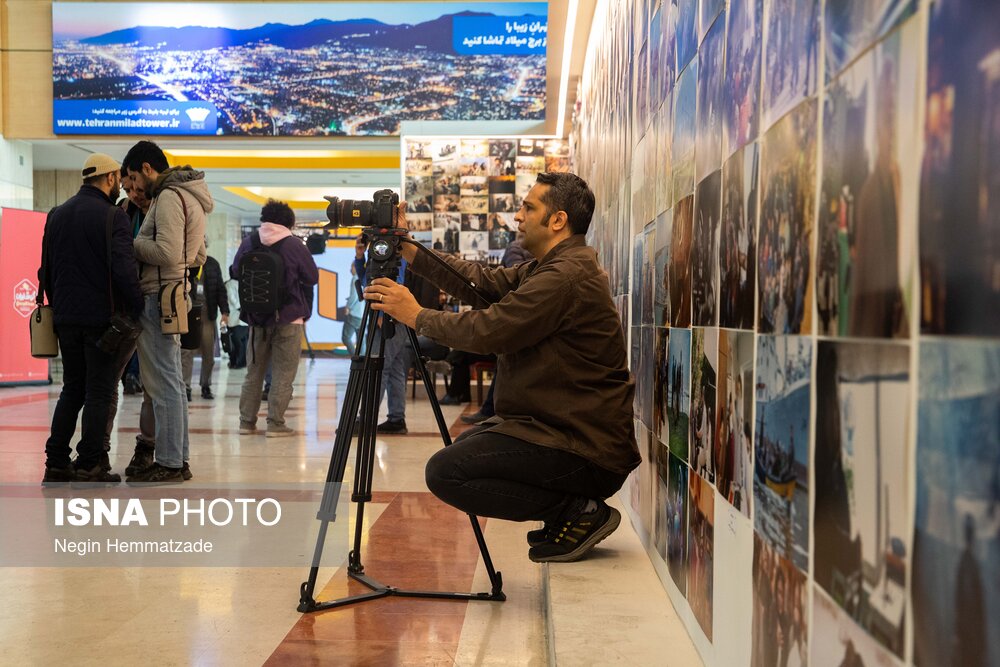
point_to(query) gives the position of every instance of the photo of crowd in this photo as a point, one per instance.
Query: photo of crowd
(864, 266)
(780, 625)
(705, 251)
(738, 239)
(711, 101)
(959, 189)
(701, 552)
(704, 361)
(861, 558)
(791, 55)
(784, 256)
(956, 542)
(679, 275)
(852, 26)
(733, 424)
(741, 108)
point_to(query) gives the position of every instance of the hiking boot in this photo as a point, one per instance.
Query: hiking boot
(57, 475)
(186, 471)
(392, 427)
(206, 393)
(572, 537)
(157, 474)
(96, 475)
(279, 431)
(474, 418)
(141, 459)
(539, 536)
(246, 428)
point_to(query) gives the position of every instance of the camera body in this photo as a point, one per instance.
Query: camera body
(378, 219)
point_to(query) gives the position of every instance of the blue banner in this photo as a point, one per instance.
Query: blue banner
(133, 117)
(499, 35)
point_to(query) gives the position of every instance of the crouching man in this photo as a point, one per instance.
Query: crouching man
(562, 440)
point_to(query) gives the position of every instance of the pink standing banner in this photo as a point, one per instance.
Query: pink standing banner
(20, 253)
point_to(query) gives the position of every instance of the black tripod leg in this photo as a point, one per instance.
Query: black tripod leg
(496, 580)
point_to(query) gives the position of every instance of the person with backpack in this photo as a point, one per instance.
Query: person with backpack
(276, 274)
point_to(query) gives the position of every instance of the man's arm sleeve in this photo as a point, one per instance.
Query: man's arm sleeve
(308, 273)
(124, 273)
(519, 320)
(491, 283)
(168, 248)
(220, 286)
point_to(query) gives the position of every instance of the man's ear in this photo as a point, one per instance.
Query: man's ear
(558, 221)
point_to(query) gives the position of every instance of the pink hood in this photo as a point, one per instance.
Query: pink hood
(272, 232)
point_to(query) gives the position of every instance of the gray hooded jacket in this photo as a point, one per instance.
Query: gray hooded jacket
(176, 191)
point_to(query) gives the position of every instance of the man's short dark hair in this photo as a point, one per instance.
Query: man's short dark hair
(278, 212)
(570, 193)
(145, 152)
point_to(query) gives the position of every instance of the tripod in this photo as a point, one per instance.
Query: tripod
(361, 401)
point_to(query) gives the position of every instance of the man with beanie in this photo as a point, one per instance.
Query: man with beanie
(86, 277)
(276, 337)
(171, 239)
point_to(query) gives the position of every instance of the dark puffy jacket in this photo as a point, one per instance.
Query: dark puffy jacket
(214, 289)
(77, 280)
(301, 274)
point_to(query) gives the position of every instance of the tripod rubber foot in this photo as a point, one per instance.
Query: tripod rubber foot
(306, 602)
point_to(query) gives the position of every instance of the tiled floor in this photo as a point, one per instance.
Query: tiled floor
(247, 616)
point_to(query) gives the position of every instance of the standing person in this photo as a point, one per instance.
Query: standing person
(135, 207)
(83, 272)
(214, 301)
(276, 337)
(171, 239)
(238, 331)
(562, 440)
(355, 308)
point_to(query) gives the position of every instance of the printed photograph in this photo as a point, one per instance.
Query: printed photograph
(708, 11)
(733, 425)
(474, 222)
(443, 220)
(860, 531)
(704, 376)
(502, 153)
(791, 55)
(661, 267)
(664, 126)
(420, 222)
(838, 640)
(687, 31)
(419, 186)
(635, 365)
(781, 446)
(679, 391)
(474, 204)
(657, 86)
(851, 26)
(959, 188)
(473, 185)
(867, 234)
(420, 204)
(446, 204)
(531, 147)
(661, 508)
(780, 624)
(784, 255)
(701, 552)
(738, 239)
(648, 267)
(638, 252)
(502, 203)
(522, 186)
(417, 166)
(474, 148)
(640, 91)
(501, 185)
(679, 278)
(685, 121)
(705, 251)
(530, 164)
(474, 243)
(741, 107)
(646, 379)
(502, 229)
(711, 86)
(418, 150)
(669, 17)
(450, 236)
(677, 523)
(444, 151)
(956, 542)
(446, 183)
(661, 394)
(473, 165)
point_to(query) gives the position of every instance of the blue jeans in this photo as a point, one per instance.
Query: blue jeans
(163, 382)
(397, 362)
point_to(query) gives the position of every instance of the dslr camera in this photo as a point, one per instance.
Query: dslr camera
(378, 219)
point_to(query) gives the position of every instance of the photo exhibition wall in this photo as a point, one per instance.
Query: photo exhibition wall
(462, 193)
(798, 206)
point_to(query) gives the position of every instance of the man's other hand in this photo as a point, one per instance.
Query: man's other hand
(394, 299)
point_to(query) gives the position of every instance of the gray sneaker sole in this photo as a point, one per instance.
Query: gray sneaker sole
(280, 434)
(610, 526)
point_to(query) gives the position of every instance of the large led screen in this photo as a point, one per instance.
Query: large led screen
(283, 69)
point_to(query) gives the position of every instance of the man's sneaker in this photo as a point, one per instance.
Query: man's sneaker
(246, 428)
(141, 459)
(279, 431)
(571, 538)
(96, 475)
(57, 475)
(157, 474)
(186, 471)
(474, 418)
(392, 427)
(206, 393)
(538, 536)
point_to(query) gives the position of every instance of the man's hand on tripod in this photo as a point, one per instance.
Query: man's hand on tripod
(395, 300)
(408, 252)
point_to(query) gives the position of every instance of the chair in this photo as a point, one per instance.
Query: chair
(476, 370)
(433, 367)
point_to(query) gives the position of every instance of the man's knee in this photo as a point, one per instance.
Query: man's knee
(440, 473)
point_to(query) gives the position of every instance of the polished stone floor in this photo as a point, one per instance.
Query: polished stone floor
(610, 609)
